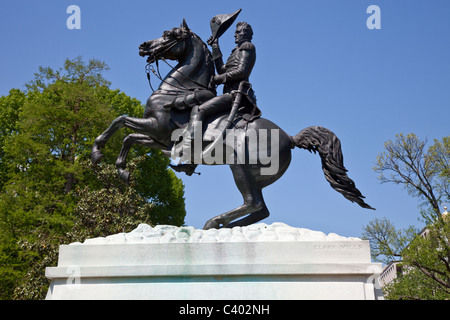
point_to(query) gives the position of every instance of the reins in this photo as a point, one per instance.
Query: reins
(149, 67)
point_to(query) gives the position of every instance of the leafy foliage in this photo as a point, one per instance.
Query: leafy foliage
(10, 107)
(386, 242)
(426, 263)
(424, 175)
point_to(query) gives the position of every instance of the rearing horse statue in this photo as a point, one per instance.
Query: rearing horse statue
(190, 81)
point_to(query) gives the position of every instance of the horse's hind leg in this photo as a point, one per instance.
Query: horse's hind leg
(251, 218)
(134, 138)
(253, 202)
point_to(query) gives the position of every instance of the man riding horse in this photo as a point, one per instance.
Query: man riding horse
(231, 74)
(190, 85)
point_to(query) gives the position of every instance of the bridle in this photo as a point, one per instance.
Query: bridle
(155, 57)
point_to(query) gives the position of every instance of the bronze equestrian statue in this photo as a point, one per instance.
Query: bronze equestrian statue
(237, 69)
(187, 96)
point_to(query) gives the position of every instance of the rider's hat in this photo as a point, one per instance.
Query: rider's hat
(221, 23)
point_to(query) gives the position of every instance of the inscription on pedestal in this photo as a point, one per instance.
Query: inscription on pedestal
(335, 247)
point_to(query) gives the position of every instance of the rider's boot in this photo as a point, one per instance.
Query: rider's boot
(184, 148)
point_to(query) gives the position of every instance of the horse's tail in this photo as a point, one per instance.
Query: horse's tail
(329, 147)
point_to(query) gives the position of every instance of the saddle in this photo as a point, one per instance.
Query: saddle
(181, 106)
(217, 128)
(216, 123)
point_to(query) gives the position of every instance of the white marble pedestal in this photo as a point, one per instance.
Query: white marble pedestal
(249, 263)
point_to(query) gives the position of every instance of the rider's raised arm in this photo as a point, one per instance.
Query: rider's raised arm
(217, 57)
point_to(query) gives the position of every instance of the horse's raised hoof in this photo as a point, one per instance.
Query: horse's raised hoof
(124, 176)
(96, 157)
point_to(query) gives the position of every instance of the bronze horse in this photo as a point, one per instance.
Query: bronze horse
(191, 81)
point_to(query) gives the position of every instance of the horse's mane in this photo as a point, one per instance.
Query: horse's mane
(181, 33)
(209, 63)
(205, 47)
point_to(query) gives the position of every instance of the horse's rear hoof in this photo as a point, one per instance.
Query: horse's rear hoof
(96, 157)
(212, 224)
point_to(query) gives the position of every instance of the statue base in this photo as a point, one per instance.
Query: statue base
(247, 263)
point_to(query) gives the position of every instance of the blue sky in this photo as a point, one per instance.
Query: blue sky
(317, 64)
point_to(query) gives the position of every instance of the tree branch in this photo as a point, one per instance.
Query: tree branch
(425, 271)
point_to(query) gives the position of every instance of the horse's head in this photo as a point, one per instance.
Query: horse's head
(171, 45)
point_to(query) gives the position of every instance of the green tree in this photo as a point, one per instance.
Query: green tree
(46, 182)
(426, 265)
(386, 242)
(10, 107)
(424, 173)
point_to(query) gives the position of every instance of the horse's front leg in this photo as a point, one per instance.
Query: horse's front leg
(134, 138)
(144, 126)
